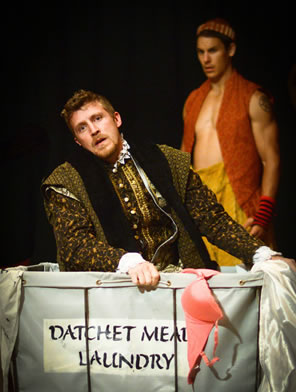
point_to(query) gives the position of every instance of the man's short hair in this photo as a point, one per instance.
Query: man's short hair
(81, 98)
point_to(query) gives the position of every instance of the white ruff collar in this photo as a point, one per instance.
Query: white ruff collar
(124, 153)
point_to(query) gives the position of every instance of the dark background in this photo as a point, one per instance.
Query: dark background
(144, 60)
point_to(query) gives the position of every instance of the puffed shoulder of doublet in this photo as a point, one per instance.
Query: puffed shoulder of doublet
(58, 171)
(174, 152)
(62, 175)
(176, 158)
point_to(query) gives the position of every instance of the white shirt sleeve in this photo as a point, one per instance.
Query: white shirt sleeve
(129, 260)
(264, 253)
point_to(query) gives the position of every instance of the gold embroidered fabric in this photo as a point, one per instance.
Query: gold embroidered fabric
(76, 236)
(78, 246)
(82, 245)
(215, 224)
(150, 226)
(215, 177)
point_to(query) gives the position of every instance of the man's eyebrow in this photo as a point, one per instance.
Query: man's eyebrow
(208, 49)
(79, 124)
(94, 115)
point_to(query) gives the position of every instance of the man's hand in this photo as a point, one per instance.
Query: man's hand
(256, 230)
(144, 274)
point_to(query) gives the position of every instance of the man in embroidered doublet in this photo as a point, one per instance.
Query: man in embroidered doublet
(133, 209)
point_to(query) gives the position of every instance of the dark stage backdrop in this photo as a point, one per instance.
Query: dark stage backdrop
(144, 60)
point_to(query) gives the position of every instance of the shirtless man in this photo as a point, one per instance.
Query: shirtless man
(231, 132)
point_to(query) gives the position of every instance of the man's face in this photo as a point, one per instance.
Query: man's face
(96, 130)
(213, 56)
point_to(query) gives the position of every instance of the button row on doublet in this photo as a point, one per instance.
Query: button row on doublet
(126, 200)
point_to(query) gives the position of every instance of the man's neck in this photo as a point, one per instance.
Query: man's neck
(218, 85)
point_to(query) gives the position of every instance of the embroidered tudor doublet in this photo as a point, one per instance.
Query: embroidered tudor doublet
(80, 237)
(150, 226)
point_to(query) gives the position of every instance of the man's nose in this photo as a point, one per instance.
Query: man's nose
(206, 58)
(94, 130)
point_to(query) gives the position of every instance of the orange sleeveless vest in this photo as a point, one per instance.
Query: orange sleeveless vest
(241, 159)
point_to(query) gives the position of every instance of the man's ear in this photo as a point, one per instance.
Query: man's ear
(232, 49)
(117, 119)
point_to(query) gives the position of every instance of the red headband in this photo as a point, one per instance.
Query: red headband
(218, 25)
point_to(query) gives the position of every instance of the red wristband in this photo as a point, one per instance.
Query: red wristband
(265, 211)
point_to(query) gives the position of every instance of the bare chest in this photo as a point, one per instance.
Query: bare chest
(208, 116)
(207, 151)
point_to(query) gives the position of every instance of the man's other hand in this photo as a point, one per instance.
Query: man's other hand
(144, 274)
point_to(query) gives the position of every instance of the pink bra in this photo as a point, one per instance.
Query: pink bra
(202, 312)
